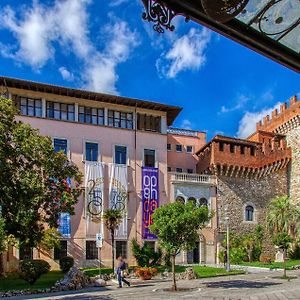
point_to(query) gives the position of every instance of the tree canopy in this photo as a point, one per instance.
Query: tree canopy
(177, 227)
(36, 184)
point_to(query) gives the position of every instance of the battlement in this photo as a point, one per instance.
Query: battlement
(288, 111)
(237, 157)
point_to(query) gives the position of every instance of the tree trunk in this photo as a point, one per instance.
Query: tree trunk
(173, 271)
(113, 249)
(284, 264)
(1, 265)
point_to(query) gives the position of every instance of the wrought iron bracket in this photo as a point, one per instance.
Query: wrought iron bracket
(160, 14)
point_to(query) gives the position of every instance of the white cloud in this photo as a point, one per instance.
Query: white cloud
(240, 102)
(187, 53)
(32, 33)
(186, 124)
(117, 2)
(66, 75)
(247, 124)
(66, 23)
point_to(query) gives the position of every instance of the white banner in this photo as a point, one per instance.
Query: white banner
(118, 194)
(94, 191)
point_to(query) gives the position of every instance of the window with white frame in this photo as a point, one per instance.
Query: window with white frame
(120, 119)
(60, 111)
(189, 149)
(120, 155)
(91, 115)
(30, 107)
(179, 148)
(121, 249)
(169, 147)
(149, 158)
(61, 145)
(91, 151)
(169, 169)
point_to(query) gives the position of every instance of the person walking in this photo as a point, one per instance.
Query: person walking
(120, 272)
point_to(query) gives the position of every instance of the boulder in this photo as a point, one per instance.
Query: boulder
(73, 280)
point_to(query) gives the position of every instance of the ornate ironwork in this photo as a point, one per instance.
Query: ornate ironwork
(160, 14)
(278, 18)
(223, 10)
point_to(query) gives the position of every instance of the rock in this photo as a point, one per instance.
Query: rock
(99, 282)
(73, 280)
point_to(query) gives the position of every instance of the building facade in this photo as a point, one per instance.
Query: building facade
(118, 139)
(114, 137)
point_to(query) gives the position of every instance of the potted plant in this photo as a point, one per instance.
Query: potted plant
(145, 273)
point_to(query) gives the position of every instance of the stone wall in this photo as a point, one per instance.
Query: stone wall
(236, 193)
(293, 141)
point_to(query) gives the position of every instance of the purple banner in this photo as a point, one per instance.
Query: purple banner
(150, 197)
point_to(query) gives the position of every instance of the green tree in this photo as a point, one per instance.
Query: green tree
(283, 222)
(2, 243)
(112, 219)
(50, 240)
(177, 227)
(34, 187)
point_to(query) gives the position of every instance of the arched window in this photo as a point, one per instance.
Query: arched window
(249, 213)
(180, 199)
(203, 202)
(193, 200)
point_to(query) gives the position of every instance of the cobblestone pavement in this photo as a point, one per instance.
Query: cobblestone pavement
(263, 286)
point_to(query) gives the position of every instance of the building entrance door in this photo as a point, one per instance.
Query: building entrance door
(193, 256)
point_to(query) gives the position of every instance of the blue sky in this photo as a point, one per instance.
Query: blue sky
(105, 46)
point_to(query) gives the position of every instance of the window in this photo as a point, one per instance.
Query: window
(189, 149)
(169, 169)
(30, 107)
(91, 115)
(91, 251)
(193, 201)
(25, 253)
(60, 111)
(169, 148)
(231, 148)
(91, 151)
(242, 149)
(221, 146)
(252, 151)
(249, 213)
(64, 224)
(180, 199)
(203, 202)
(190, 171)
(179, 170)
(148, 123)
(61, 145)
(121, 249)
(179, 148)
(62, 251)
(120, 119)
(121, 155)
(149, 158)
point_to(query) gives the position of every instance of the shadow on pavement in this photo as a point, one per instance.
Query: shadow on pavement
(240, 284)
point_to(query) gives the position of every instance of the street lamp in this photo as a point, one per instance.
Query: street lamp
(227, 240)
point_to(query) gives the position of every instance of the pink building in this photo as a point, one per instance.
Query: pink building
(111, 138)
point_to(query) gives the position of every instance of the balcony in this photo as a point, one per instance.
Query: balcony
(193, 178)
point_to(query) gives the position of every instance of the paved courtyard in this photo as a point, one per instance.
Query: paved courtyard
(261, 286)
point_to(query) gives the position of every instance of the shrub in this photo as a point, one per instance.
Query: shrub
(145, 273)
(145, 255)
(265, 259)
(66, 263)
(295, 253)
(32, 269)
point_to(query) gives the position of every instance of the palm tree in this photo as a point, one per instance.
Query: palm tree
(112, 219)
(283, 221)
(283, 216)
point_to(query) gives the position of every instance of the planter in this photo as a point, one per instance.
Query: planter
(145, 277)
